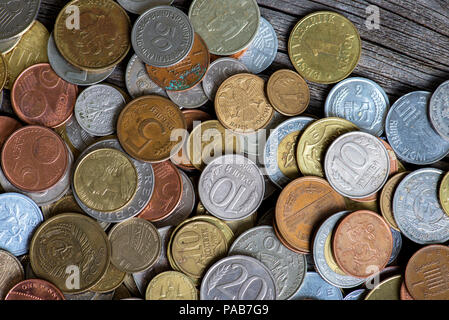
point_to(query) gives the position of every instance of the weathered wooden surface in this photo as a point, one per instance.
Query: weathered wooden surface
(410, 50)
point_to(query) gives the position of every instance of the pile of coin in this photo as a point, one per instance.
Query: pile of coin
(207, 179)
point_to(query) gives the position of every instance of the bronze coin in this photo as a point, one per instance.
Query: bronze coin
(34, 289)
(34, 158)
(427, 273)
(167, 192)
(362, 243)
(39, 96)
(282, 240)
(302, 204)
(7, 127)
(404, 294)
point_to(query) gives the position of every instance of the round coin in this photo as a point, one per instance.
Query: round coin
(140, 6)
(17, 17)
(171, 285)
(11, 272)
(111, 280)
(315, 288)
(404, 293)
(34, 289)
(7, 127)
(438, 110)
(443, 193)
(386, 290)
(386, 198)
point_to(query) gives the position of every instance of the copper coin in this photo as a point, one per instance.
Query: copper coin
(362, 243)
(193, 118)
(427, 273)
(34, 158)
(404, 294)
(302, 204)
(167, 192)
(34, 289)
(282, 240)
(39, 96)
(7, 127)
(185, 74)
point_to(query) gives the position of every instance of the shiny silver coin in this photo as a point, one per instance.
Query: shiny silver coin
(315, 288)
(397, 245)
(220, 70)
(231, 187)
(361, 101)
(410, 132)
(193, 98)
(97, 109)
(7, 45)
(138, 82)
(78, 137)
(356, 295)
(417, 210)
(439, 110)
(145, 187)
(276, 167)
(287, 267)
(263, 50)
(251, 278)
(140, 6)
(16, 17)
(162, 36)
(357, 164)
(321, 265)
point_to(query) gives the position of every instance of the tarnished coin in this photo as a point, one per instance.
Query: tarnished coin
(324, 47)
(11, 272)
(357, 165)
(243, 271)
(358, 294)
(103, 39)
(135, 245)
(417, 210)
(443, 193)
(438, 110)
(140, 6)
(193, 98)
(34, 289)
(288, 268)
(262, 50)
(7, 127)
(17, 17)
(162, 36)
(361, 101)
(145, 127)
(8, 45)
(231, 187)
(386, 290)
(3, 71)
(386, 198)
(315, 288)
(76, 137)
(410, 132)
(171, 285)
(302, 204)
(315, 140)
(280, 150)
(89, 251)
(112, 279)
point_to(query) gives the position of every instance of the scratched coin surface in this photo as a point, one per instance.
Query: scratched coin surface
(287, 267)
(68, 240)
(162, 36)
(361, 101)
(35, 289)
(11, 272)
(315, 288)
(324, 47)
(386, 198)
(252, 279)
(171, 285)
(417, 210)
(410, 132)
(140, 6)
(193, 98)
(17, 17)
(438, 110)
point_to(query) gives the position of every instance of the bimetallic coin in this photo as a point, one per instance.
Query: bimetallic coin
(386, 290)
(162, 36)
(243, 271)
(140, 6)
(357, 165)
(112, 279)
(287, 267)
(193, 98)
(417, 210)
(315, 288)
(11, 272)
(8, 45)
(410, 132)
(397, 245)
(171, 285)
(361, 101)
(262, 50)
(356, 295)
(34, 289)
(76, 137)
(439, 117)
(17, 17)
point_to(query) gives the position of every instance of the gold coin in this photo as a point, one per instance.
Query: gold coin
(111, 280)
(171, 285)
(288, 93)
(315, 140)
(210, 139)
(105, 180)
(386, 198)
(286, 155)
(387, 290)
(240, 226)
(357, 205)
(324, 47)
(31, 49)
(65, 204)
(70, 247)
(102, 39)
(329, 256)
(444, 193)
(220, 224)
(241, 104)
(401, 167)
(3, 71)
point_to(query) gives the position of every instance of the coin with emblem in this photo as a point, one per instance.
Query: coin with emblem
(171, 285)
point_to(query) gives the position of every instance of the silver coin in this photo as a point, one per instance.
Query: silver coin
(357, 164)
(78, 137)
(410, 132)
(90, 295)
(193, 98)
(321, 265)
(70, 73)
(142, 279)
(251, 280)
(140, 6)
(263, 50)
(145, 186)
(138, 82)
(287, 267)
(270, 188)
(162, 36)
(417, 210)
(356, 295)
(397, 245)
(231, 187)
(185, 206)
(439, 110)
(315, 288)
(97, 109)
(361, 101)
(220, 70)
(7, 45)
(293, 126)
(16, 17)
